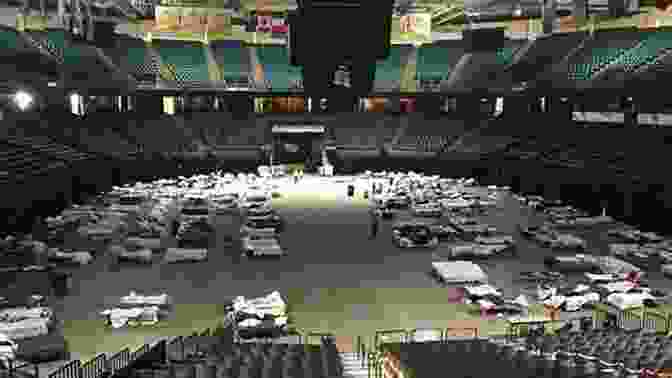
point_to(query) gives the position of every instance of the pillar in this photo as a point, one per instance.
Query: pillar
(580, 11)
(548, 16)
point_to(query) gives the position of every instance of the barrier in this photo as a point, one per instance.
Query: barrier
(95, 367)
(72, 369)
(119, 361)
(654, 321)
(139, 352)
(630, 319)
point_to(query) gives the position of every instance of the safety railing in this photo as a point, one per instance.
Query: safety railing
(632, 319)
(118, 363)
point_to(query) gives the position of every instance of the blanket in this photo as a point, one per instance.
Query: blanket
(25, 328)
(174, 255)
(119, 317)
(272, 304)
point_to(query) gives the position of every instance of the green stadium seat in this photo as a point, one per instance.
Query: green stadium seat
(608, 47)
(187, 59)
(278, 72)
(433, 63)
(132, 56)
(388, 72)
(647, 51)
(233, 60)
(11, 40)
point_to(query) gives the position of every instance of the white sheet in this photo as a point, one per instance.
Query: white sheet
(271, 304)
(185, 254)
(624, 301)
(459, 271)
(602, 277)
(482, 290)
(120, 317)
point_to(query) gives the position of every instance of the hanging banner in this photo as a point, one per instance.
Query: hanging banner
(413, 27)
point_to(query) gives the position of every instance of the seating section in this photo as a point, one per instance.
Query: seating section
(253, 360)
(597, 53)
(506, 53)
(132, 55)
(608, 348)
(543, 53)
(277, 71)
(233, 59)
(432, 136)
(18, 162)
(436, 61)
(388, 71)
(11, 40)
(652, 45)
(186, 60)
(50, 40)
(361, 130)
(595, 353)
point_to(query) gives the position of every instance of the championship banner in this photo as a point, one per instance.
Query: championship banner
(414, 27)
(191, 20)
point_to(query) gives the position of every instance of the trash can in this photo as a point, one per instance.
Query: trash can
(61, 283)
(351, 190)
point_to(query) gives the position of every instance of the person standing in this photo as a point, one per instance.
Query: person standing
(375, 223)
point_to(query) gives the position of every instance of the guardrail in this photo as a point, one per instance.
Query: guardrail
(119, 363)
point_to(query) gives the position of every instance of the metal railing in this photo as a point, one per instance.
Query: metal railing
(103, 366)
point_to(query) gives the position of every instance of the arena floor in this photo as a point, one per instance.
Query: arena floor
(334, 279)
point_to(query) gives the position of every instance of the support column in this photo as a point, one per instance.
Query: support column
(629, 112)
(580, 11)
(548, 16)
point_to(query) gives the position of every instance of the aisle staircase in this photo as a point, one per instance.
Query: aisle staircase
(353, 365)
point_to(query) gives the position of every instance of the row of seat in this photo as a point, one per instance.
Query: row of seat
(254, 360)
(485, 358)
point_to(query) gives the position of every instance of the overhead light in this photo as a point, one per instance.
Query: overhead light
(23, 100)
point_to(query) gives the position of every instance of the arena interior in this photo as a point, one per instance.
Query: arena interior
(201, 154)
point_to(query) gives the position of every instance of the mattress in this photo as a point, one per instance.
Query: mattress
(141, 255)
(79, 257)
(624, 301)
(271, 304)
(174, 255)
(120, 317)
(149, 243)
(459, 271)
(25, 328)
